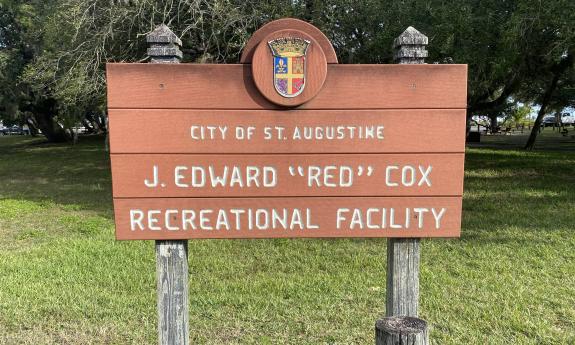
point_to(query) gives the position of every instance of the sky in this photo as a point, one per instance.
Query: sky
(536, 108)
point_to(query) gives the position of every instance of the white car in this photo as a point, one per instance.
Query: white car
(549, 121)
(568, 120)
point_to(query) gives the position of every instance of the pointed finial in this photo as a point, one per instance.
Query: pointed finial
(410, 47)
(164, 45)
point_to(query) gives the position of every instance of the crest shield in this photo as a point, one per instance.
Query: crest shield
(289, 65)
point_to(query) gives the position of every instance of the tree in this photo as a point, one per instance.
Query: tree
(560, 73)
(21, 43)
(546, 38)
(518, 114)
(61, 80)
(512, 46)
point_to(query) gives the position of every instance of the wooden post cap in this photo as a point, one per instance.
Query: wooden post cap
(410, 47)
(164, 45)
(396, 330)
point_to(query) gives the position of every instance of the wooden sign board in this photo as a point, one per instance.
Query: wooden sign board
(213, 151)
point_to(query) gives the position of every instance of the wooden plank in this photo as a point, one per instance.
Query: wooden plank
(178, 175)
(176, 218)
(170, 131)
(202, 86)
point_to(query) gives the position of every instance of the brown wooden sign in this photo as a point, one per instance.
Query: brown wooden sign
(287, 144)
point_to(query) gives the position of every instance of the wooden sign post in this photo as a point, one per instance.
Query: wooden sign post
(171, 255)
(403, 254)
(286, 144)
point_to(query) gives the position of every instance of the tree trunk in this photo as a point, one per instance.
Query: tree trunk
(493, 119)
(95, 123)
(43, 112)
(90, 128)
(544, 103)
(50, 129)
(32, 125)
(566, 62)
(468, 123)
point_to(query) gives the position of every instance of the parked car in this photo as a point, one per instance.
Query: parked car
(550, 121)
(568, 120)
(15, 130)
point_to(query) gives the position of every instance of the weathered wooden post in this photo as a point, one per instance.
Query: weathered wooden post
(171, 256)
(401, 330)
(403, 253)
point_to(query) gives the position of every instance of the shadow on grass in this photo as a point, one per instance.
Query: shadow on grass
(73, 175)
(547, 140)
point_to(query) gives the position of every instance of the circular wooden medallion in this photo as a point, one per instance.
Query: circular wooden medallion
(289, 67)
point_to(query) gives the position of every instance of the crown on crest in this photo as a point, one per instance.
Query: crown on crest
(289, 46)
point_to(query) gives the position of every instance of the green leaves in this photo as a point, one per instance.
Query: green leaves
(58, 48)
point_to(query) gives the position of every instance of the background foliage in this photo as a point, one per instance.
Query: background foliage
(53, 52)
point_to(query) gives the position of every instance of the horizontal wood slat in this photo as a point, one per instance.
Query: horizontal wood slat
(177, 175)
(428, 217)
(208, 86)
(169, 131)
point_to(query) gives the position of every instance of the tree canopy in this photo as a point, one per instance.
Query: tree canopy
(53, 52)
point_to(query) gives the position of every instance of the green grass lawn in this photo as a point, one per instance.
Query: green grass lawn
(510, 279)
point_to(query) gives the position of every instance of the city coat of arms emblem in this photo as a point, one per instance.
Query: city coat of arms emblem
(289, 65)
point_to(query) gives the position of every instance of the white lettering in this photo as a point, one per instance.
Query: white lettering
(369, 212)
(425, 176)
(408, 176)
(198, 177)
(392, 219)
(438, 217)
(205, 220)
(167, 217)
(388, 176)
(152, 221)
(236, 178)
(188, 217)
(136, 221)
(420, 211)
(178, 178)
(356, 219)
(345, 176)
(296, 219)
(237, 213)
(327, 176)
(339, 217)
(222, 220)
(265, 224)
(218, 179)
(155, 179)
(308, 223)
